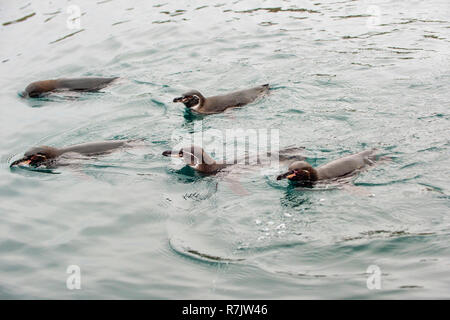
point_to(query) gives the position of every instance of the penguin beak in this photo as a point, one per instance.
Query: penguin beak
(182, 99)
(33, 160)
(289, 175)
(20, 162)
(169, 153)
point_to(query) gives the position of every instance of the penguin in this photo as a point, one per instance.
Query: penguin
(301, 171)
(48, 156)
(41, 88)
(195, 101)
(195, 157)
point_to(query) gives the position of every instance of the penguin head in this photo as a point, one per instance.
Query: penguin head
(192, 155)
(38, 89)
(37, 156)
(191, 99)
(299, 171)
(32, 91)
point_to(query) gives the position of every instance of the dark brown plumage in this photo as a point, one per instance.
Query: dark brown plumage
(45, 155)
(194, 100)
(303, 171)
(39, 88)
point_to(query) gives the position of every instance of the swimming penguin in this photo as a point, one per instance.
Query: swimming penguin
(197, 158)
(40, 88)
(194, 100)
(47, 156)
(302, 171)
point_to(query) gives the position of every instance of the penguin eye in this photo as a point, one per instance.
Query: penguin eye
(191, 98)
(195, 99)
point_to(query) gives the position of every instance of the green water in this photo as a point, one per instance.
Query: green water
(346, 76)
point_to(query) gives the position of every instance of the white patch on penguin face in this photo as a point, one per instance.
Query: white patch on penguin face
(197, 106)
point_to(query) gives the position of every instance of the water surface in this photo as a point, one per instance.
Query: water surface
(347, 75)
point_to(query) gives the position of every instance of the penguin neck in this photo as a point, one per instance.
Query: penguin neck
(208, 164)
(317, 174)
(309, 174)
(201, 102)
(196, 107)
(58, 152)
(63, 150)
